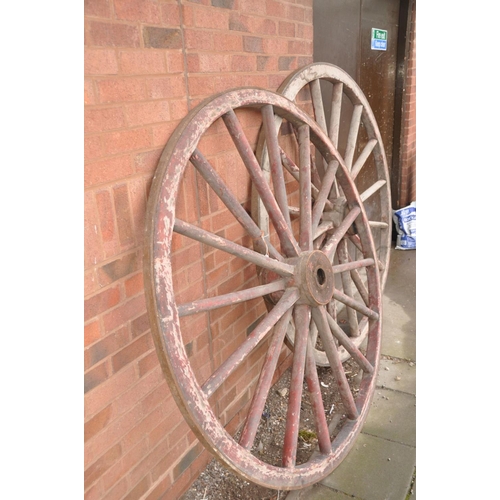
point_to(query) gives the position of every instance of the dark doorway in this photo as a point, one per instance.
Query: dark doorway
(343, 36)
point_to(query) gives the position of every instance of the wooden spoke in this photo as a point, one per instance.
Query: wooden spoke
(352, 317)
(357, 279)
(372, 190)
(315, 174)
(311, 374)
(360, 162)
(357, 264)
(254, 339)
(332, 242)
(305, 232)
(324, 192)
(322, 229)
(229, 299)
(354, 304)
(275, 161)
(318, 242)
(264, 384)
(378, 225)
(357, 243)
(358, 282)
(336, 112)
(317, 101)
(349, 345)
(245, 150)
(301, 318)
(313, 332)
(198, 234)
(352, 137)
(224, 193)
(294, 172)
(332, 309)
(319, 315)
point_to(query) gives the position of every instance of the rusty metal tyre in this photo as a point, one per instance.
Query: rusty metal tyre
(298, 279)
(367, 161)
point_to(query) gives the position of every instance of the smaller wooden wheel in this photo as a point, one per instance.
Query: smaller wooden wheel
(348, 121)
(283, 269)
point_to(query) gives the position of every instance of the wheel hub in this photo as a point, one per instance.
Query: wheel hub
(314, 276)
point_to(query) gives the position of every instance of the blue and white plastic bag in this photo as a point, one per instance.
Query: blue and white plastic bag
(406, 227)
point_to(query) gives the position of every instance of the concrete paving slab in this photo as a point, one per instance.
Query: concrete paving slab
(392, 416)
(398, 345)
(375, 469)
(319, 492)
(399, 306)
(401, 279)
(398, 375)
(398, 331)
(413, 491)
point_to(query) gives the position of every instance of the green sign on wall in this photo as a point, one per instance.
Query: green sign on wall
(379, 39)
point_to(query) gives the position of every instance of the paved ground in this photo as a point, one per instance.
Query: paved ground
(381, 465)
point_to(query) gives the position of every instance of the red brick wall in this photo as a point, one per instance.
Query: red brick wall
(146, 64)
(408, 192)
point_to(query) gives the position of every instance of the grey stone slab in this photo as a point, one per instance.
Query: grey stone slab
(401, 279)
(318, 492)
(375, 469)
(413, 491)
(398, 331)
(399, 346)
(398, 375)
(399, 306)
(392, 416)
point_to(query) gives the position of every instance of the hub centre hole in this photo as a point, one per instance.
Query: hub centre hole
(320, 276)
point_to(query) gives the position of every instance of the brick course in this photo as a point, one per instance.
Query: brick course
(408, 154)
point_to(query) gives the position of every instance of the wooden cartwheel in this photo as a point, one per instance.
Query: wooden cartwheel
(283, 276)
(347, 119)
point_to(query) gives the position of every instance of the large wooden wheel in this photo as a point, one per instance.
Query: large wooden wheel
(282, 269)
(348, 121)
